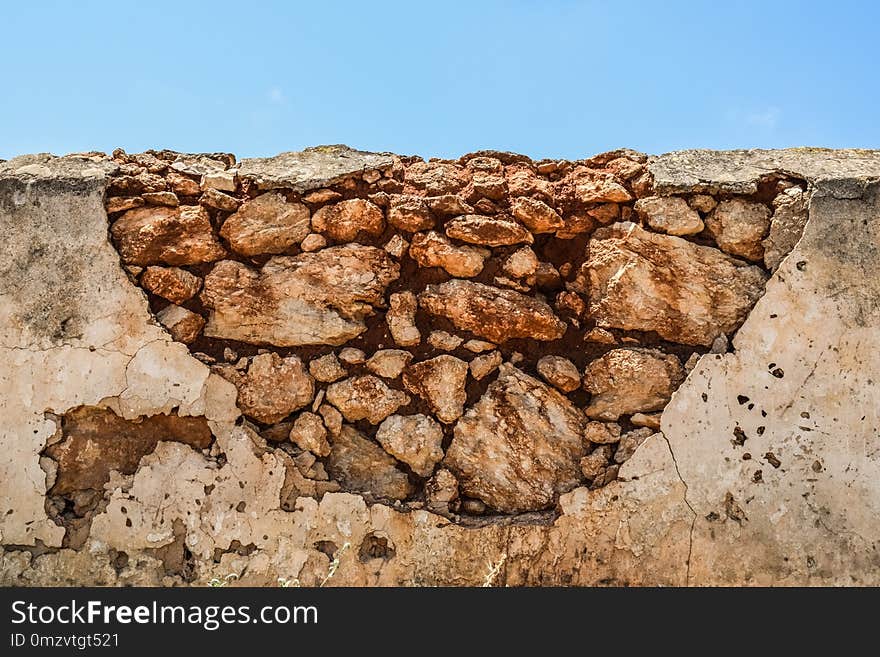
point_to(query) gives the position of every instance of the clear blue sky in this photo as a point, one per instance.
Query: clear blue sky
(559, 78)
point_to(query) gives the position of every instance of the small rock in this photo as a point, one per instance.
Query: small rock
(483, 366)
(489, 185)
(172, 283)
(521, 263)
(585, 185)
(161, 198)
(448, 204)
(440, 381)
(536, 215)
(313, 242)
(569, 303)
(389, 363)
(213, 198)
(669, 214)
(488, 231)
(122, 203)
(629, 442)
(413, 439)
(478, 346)
(702, 203)
(691, 362)
(600, 335)
(739, 227)
(473, 507)
(401, 319)
(436, 178)
(344, 220)
(266, 224)
(605, 213)
(327, 369)
(230, 355)
(631, 380)
(183, 325)
(410, 213)
(441, 491)
(547, 276)
(173, 236)
(786, 226)
(352, 356)
(444, 341)
(559, 372)
(396, 246)
(491, 313)
(322, 196)
(181, 185)
(594, 463)
(435, 250)
(650, 420)
(361, 465)
(309, 433)
(602, 433)
(220, 180)
(332, 419)
(365, 397)
(274, 387)
(524, 183)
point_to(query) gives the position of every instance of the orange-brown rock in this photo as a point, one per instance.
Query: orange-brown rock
(410, 213)
(559, 372)
(401, 319)
(669, 214)
(311, 298)
(361, 465)
(174, 236)
(266, 224)
(686, 293)
(739, 227)
(519, 446)
(433, 249)
(631, 380)
(435, 178)
(440, 381)
(344, 220)
(488, 231)
(183, 324)
(365, 398)
(492, 313)
(96, 441)
(274, 387)
(172, 283)
(413, 439)
(585, 185)
(537, 216)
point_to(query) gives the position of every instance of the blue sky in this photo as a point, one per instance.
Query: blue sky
(558, 78)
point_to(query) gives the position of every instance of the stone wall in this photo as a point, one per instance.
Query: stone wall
(621, 370)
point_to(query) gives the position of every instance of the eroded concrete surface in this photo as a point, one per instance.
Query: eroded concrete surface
(765, 472)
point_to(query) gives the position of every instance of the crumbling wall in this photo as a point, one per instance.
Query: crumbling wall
(436, 372)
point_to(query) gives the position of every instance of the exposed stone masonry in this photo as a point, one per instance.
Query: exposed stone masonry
(474, 336)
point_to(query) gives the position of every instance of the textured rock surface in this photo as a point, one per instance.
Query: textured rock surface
(519, 446)
(440, 382)
(685, 507)
(312, 298)
(267, 224)
(682, 291)
(414, 439)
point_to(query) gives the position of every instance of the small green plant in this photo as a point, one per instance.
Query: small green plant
(216, 582)
(494, 569)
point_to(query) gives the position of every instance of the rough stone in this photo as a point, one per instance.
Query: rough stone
(308, 433)
(433, 249)
(687, 293)
(440, 381)
(184, 325)
(410, 213)
(585, 185)
(326, 368)
(172, 283)
(388, 363)
(444, 341)
(361, 465)
(559, 372)
(491, 313)
(631, 380)
(352, 356)
(786, 226)
(344, 220)
(441, 491)
(739, 227)
(266, 224)
(669, 214)
(161, 198)
(274, 387)
(365, 398)
(487, 231)
(536, 215)
(308, 299)
(602, 433)
(483, 365)
(629, 443)
(519, 447)
(218, 200)
(312, 168)
(173, 236)
(413, 439)
(313, 242)
(522, 262)
(435, 178)
(401, 319)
